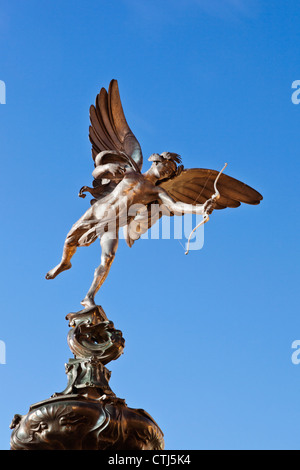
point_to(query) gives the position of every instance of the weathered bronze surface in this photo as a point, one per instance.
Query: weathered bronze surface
(87, 415)
(74, 423)
(123, 196)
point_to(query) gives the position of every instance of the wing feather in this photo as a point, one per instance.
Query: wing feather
(206, 194)
(102, 102)
(96, 140)
(97, 127)
(100, 115)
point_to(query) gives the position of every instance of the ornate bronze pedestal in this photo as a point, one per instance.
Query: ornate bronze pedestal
(87, 415)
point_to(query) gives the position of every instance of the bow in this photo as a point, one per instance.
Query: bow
(205, 219)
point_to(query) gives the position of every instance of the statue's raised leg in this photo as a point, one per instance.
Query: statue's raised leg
(72, 242)
(68, 252)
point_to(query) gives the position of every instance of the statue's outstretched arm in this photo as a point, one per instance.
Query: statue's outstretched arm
(179, 208)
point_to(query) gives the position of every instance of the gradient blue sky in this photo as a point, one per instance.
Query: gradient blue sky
(208, 336)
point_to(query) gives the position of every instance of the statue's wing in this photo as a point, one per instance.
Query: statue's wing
(109, 129)
(196, 186)
(114, 146)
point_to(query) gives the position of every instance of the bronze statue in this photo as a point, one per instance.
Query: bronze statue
(123, 196)
(87, 415)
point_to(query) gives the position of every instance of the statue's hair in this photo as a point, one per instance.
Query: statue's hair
(168, 157)
(174, 157)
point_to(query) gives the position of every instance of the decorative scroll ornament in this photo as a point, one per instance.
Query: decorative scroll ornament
(93, 335)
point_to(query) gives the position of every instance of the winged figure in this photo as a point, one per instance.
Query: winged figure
(123, 196)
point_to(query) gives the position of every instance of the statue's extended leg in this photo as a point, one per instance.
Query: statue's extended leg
(109, 245)
(65, 263)
(70, 247)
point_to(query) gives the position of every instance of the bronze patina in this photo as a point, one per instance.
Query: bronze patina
(87, 415)
(123, 196)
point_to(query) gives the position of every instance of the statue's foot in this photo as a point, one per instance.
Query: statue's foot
(57, 270)
(88, 302)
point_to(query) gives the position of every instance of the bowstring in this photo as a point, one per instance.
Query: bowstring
(205, 218)
(195, 201)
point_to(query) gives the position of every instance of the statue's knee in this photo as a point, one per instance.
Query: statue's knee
(70, 241)
(107, 259)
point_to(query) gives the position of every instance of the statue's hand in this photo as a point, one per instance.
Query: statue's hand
(81, 192)
(210, 205)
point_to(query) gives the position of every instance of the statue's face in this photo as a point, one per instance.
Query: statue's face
(59, 425)
(163, 169)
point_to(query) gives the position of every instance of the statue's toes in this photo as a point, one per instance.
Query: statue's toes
(49, 275)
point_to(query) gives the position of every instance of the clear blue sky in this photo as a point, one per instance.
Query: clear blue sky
(208, 336)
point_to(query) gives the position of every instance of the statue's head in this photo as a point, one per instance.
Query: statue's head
(59, 426)
(164, 166)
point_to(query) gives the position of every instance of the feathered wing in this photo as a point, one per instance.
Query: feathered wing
(113, 143)
(196, 186)
(109, 129)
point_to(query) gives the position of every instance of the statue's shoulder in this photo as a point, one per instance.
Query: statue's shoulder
(133, 177)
